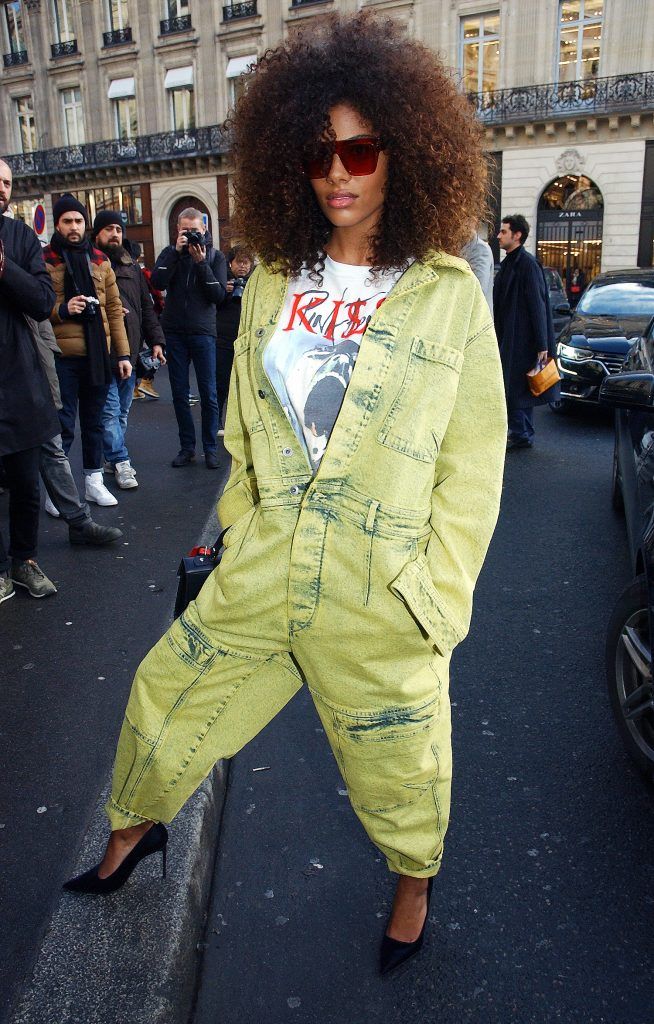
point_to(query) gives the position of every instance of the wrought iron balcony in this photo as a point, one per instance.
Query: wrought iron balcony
(12, 60)
(619, 94)
(207, 141)
(66, 49)
(246, 9)
(170, 25)
(117, 36)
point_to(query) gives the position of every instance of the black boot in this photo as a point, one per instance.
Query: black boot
(93, 534)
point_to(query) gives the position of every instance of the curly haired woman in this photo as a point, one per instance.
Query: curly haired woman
(367, 430)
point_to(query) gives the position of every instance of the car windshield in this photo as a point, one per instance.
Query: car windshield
(624, 298)
(554, 282)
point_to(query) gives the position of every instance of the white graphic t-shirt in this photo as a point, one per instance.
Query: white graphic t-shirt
(311, 355)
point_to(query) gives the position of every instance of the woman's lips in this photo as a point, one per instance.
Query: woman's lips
(340, 200)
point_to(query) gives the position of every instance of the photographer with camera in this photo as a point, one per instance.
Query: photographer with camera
(140, 322)
(194, 275)
(228, 317)
(88, 323)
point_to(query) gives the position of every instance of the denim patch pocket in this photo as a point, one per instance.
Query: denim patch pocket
(387, 757)
(417, 420)
(415, 588)
(240, 532)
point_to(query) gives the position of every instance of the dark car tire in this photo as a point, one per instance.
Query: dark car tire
(561, 406)
(617, 499)
(627, 672)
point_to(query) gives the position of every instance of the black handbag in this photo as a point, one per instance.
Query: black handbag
(194, 570)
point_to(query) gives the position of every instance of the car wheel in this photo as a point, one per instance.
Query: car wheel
(628, 671)
(560, 406)
(617, 499)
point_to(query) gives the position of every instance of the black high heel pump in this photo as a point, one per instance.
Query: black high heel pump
(155, 839)
(393, 953)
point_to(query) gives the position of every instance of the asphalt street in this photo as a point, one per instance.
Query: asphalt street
(543, 910)
(67, 664)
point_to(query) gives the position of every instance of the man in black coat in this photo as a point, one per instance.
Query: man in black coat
(140, 323)
(194, 276)
(27, 413)
(523, 323)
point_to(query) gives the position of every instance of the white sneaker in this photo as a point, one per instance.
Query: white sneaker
(50, 508)
(96, 490)
(126, 476)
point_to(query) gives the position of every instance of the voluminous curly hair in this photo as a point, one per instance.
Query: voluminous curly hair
(436, 173)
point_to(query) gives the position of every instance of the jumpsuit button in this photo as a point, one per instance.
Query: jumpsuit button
(260, 333)
(261, 393)
(294, 489)
(287, 451)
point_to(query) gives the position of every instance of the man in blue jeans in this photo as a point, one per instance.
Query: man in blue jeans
(194, 276)
(140, 323)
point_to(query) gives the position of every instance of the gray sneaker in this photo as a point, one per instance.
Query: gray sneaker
(29, 575)
(6, 587)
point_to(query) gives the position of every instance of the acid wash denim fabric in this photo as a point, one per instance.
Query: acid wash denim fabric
(358, 582)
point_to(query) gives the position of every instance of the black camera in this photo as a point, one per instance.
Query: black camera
(239, 287)
(194, 237)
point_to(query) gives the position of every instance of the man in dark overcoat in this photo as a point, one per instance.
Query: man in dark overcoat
(27, 413)
(523, 323)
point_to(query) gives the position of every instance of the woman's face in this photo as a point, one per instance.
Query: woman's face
(346, 200)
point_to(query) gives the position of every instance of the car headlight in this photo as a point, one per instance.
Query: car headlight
(570, 352)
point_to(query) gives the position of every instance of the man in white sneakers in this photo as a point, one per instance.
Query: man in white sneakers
(89, 326)
(140, 323)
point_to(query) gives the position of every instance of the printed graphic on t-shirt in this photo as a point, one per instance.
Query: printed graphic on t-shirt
(311, 356)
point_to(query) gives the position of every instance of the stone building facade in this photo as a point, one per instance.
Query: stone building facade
(122, 101)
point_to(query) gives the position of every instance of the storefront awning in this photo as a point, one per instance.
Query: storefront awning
(178, 77)
(238, 65)
(121, 87)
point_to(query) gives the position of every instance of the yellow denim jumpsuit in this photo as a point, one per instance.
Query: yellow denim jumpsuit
(357, 581)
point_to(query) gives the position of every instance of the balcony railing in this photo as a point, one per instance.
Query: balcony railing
(66, 49)
(170, 25)
(117, 36)
(619, 94)
(12, 60)
(246, 9)
(208, 141)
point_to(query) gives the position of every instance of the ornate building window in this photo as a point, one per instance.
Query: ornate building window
(24, 109)
(237, 76)
(71, 101)
(13, 28)
(179, 86)
(62, 14)
(122, 93)
(479, 56)
(580, 39)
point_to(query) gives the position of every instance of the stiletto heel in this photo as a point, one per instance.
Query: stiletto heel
(155, 839)
(393, 953)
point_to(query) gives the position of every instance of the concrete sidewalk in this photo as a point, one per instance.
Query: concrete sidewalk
(131, 957)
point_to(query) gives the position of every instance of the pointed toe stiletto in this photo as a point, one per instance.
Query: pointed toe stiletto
(154, 840)
(394, 953)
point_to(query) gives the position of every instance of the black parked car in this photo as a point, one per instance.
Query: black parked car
(612, 313)
(559, 304)
(630, 632)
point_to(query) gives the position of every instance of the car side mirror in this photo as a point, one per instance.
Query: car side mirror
(563, 309)
(628, 391)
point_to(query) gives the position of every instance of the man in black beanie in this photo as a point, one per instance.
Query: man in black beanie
(140, 322)
(89, 324)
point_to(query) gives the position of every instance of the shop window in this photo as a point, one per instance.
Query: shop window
(580, 39)
(479, 56)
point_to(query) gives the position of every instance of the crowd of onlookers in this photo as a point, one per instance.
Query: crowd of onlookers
(83, 329)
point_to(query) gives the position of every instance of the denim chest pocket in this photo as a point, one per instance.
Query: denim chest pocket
(417, 419)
